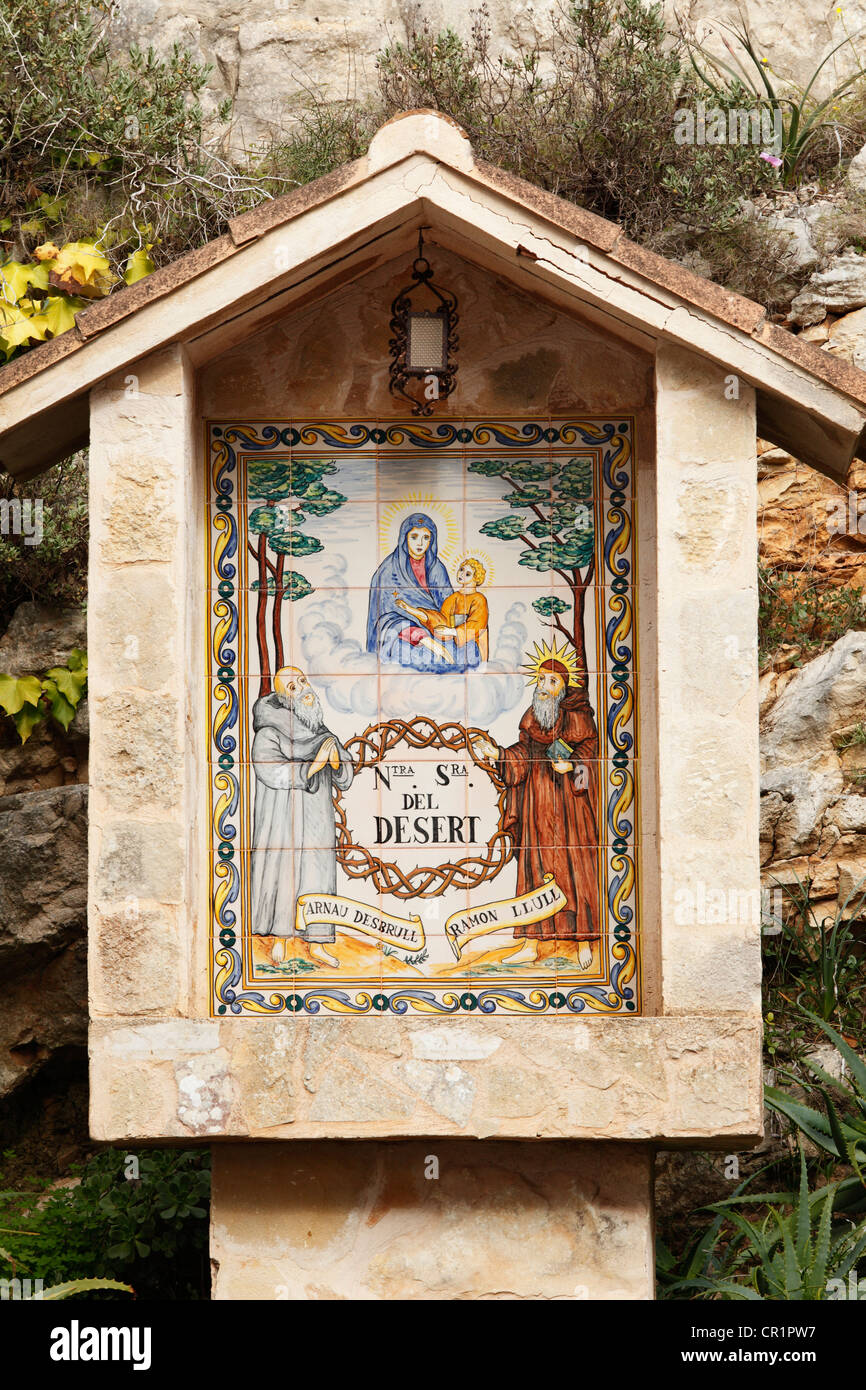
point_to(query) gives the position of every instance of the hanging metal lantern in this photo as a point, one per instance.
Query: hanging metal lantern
(425, 341)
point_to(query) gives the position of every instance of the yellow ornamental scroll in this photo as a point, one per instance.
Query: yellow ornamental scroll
(314, 909)
(535, 906)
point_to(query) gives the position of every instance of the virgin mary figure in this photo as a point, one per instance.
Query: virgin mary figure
(412, 576)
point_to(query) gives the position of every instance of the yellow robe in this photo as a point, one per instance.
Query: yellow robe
(474, 606)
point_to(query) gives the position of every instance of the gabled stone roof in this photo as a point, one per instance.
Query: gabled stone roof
(421, 168)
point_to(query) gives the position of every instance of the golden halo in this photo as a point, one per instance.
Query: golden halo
(544, 651)
(393, 514)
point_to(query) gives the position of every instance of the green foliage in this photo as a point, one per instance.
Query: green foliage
(74, 1288)
(150, 1231)
(747, 82)
(55, 570)
(789, 1251)
(325, 136)
(795, 610)
(812, 967)
(856, 737)
(105, 151)
(841, 1130)
(549, 605)
(592, 119)
(278, 481)
(56, 696)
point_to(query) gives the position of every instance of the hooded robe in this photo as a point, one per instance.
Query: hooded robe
(392, 634)
(294, 841)
(553, 820)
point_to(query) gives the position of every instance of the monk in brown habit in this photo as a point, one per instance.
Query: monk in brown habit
(550, 810)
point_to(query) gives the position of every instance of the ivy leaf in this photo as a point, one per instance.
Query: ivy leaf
(69, 683)
(59, 313)
(16, 279)
(26, 720)
(77, 660)
(16, 691)
(80, 269)
(138, 265)
(24, 329)
(61, 709)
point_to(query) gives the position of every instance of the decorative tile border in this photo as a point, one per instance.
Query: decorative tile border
(609, 443)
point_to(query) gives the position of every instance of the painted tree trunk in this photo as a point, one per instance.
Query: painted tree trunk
(262, 617)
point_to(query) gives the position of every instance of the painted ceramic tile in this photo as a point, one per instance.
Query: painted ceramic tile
(422, 664)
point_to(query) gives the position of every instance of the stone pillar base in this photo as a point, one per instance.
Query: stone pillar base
(364, 1219)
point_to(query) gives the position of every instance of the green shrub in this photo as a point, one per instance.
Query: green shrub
(101, 143)
(798, 611)
(593, 119)
(55, 570)
(149, 1231)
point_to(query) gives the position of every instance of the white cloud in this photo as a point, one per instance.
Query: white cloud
(490, 690)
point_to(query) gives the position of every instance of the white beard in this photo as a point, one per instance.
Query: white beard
(307, 711)
(546, 708)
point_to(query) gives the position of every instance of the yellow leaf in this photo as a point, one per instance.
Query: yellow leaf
(15, 279)
(25, 329)
(9, 313)
(86, 268)
(60, 314)
(47, 251)
(138, 265)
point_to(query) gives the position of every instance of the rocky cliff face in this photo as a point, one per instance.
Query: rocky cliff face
(43, 910)
(268, 54)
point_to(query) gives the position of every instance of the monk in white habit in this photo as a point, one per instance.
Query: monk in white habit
(296, 760)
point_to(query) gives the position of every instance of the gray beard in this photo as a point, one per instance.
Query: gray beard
(311, 716)
(546, 708)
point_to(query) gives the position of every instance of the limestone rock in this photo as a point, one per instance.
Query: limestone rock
(43, 874)
(847, 338)
(857, 171)
(43, 887)
(40, 636)
(805, 520)
(803, 785)
(263, 54)
(799, 250)
(816, 333)
(839, 288)
(44, 1016)
(49, 758)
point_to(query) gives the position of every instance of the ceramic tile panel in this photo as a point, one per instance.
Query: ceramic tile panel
(422, 658)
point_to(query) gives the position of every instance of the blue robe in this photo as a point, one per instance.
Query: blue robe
(385, 621)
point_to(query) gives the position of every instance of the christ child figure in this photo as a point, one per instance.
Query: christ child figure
(463, 617)
(550, 811)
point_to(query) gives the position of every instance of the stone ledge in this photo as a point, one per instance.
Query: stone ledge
(686, 1079)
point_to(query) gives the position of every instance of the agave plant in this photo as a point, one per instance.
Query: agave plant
(840, 1133)
(74, 1287)
(748, 75)
(790, 1256)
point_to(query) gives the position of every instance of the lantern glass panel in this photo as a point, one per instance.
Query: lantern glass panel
(426, 349)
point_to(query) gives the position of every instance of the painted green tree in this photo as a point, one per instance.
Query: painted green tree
(552, 515)
(291, 490)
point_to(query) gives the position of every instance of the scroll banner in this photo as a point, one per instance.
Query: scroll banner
(316, 909)
(533, 906)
